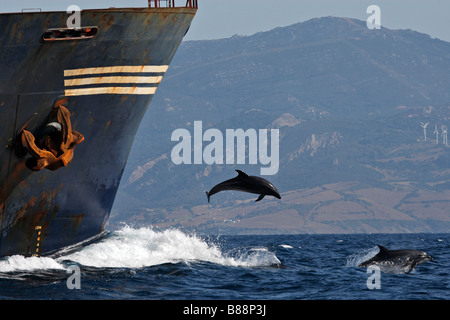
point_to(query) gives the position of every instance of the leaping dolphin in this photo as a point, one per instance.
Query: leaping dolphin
(404, 259)
(245, 183)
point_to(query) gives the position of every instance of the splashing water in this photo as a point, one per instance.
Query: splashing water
(354, 260)
(143, 247)
(18, 263)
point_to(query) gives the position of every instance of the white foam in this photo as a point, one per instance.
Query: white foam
(143, 247)
(24, 264)
(254, 257)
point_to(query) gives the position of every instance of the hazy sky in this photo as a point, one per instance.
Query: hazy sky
(224, 18)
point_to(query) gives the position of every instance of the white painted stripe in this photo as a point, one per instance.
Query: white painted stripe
(110, 90)
(115, 69)
(101, 80)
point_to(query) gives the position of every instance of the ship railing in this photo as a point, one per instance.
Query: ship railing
(172, 3)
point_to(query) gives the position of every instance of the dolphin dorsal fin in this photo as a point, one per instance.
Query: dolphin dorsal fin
(382, 249)
(241, 174)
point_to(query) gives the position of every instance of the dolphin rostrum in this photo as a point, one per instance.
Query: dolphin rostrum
(405, 259)
(246, 183)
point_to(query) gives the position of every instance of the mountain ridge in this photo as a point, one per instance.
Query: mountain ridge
(347, 102)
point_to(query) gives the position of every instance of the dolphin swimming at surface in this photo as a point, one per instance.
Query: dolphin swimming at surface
(245, 183)
(405, 259)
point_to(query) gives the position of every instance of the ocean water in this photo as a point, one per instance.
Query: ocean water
(143, 263)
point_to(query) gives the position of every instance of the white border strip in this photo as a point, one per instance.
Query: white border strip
(102, 80)
(110, 90)
(116, 69)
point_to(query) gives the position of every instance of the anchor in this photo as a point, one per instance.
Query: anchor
(53, 148)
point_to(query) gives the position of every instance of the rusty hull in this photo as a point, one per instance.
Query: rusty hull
(42, 211)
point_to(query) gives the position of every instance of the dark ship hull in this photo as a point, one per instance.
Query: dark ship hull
(103, 77)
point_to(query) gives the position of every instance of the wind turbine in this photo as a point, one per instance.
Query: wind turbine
(444, 135)
(436, 132)
(424, 126)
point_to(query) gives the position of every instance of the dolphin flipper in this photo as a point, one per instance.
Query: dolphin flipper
(207, 194)
(261, 196)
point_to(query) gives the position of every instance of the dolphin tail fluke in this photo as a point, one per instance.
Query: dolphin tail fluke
(260, 197)
(207, 194)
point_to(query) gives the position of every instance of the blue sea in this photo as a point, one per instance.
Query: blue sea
(149, 264)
